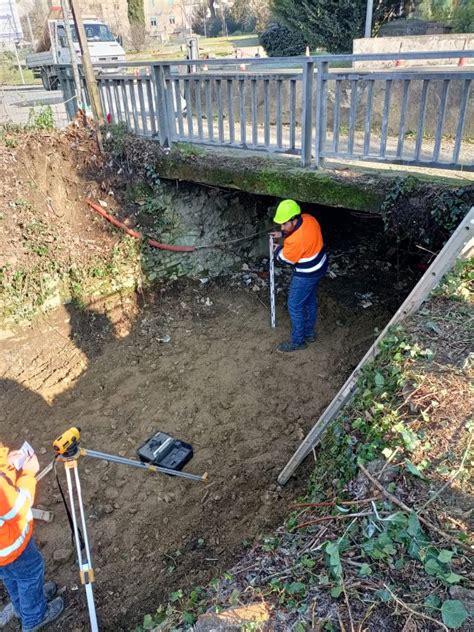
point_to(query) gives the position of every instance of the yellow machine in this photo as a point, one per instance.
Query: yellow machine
(68, 443)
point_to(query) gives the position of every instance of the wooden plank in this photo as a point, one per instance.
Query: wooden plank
(459, 244)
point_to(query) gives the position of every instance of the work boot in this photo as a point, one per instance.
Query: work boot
(288, 347)
(8, 613)
(310, 339)
(54, 610)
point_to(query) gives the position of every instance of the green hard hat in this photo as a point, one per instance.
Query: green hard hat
(286, 210)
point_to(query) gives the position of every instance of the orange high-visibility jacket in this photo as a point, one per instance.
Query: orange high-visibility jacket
(17, 490)
(304, 248)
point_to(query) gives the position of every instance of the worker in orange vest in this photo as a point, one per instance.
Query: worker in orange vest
(21, 564)
(303, 248)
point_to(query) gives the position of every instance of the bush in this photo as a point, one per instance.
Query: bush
(280, 41)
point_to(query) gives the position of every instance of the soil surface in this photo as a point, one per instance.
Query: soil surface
(194, 359)
(218, 384)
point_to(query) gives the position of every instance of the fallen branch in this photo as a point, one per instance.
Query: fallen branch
(333, 503)
(349, 611)
(415, 613)
(408, 509)
(338, 517)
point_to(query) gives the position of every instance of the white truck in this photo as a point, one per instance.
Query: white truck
(53, 48)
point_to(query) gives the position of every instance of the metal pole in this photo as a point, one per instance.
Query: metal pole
(72, 53)
(89, 75)
(32, 38)
(272, 282)
(85, 565)
(19, 65)
(368, 18)
(144, 466)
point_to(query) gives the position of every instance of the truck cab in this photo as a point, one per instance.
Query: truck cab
(54, 50)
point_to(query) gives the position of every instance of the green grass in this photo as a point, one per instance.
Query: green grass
(214, 46)
(10, 75)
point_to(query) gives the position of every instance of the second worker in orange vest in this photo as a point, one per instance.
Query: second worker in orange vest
(21, 564)
(303, 248)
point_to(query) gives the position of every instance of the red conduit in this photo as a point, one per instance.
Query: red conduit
(134, 233)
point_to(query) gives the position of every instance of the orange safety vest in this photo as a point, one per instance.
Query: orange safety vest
(304, 248)
(17, 491)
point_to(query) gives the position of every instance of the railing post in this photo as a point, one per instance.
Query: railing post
(307, 113)
(168, 86)
(69, 94)
(161, 104)
(321, 113)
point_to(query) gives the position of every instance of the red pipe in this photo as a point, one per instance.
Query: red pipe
(134, 233)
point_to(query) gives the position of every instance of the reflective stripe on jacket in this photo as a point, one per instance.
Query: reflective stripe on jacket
(16, 521)
(304, 248)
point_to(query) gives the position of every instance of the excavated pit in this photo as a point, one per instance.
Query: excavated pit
(196, 359)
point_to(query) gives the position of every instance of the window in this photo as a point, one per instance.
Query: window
(153, 21)
(172, 20)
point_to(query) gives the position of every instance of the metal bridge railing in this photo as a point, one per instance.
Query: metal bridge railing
(314, 107)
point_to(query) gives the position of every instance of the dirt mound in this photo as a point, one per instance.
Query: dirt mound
(47, 232)
(41, 200)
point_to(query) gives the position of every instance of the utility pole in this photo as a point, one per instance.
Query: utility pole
(32, 38)
(72, 52)
(89, 75)
(368, 18)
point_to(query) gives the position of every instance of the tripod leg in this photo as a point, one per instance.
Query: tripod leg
(84, 561)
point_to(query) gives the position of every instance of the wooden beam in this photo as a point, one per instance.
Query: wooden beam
(89, 75)
(460, 244)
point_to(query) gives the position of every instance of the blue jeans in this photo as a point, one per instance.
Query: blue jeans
(24, 581)
(303, 307)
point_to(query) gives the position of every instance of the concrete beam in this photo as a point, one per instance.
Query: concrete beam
(282, 177)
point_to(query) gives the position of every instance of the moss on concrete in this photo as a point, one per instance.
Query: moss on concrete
(271, 176)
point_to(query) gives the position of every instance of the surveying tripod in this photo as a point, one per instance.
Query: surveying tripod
(68, 450)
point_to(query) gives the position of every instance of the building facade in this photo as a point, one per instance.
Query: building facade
(168, 18)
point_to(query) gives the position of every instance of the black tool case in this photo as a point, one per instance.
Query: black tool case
(161, 449)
